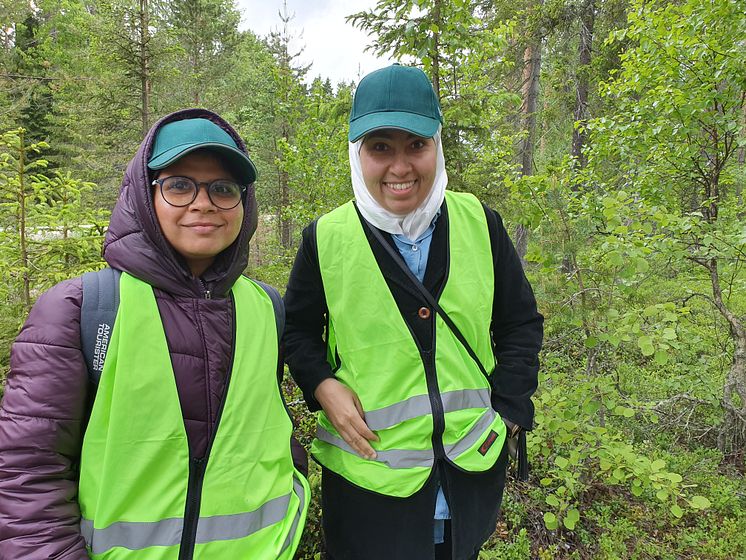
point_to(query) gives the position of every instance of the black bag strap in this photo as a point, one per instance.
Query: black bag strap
(97, 314)
(431, 301)
(99, 311)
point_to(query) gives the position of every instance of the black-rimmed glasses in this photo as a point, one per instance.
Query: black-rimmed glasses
(182, 191)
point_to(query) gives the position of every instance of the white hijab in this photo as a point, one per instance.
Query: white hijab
(410, 225)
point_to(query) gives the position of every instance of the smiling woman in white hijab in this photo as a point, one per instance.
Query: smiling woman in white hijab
(414, 333)
(412, 224)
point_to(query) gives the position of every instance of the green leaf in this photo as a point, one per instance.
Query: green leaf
(552, 500)
(699, 502)
(677, 511)
(661, 357)
(572, 516)
(591, 342)
(650, 311)
(625, 411)
(550, 520)
(591, 407)
(616, 258)
(646, 345)
(561, 462)
(669, 333)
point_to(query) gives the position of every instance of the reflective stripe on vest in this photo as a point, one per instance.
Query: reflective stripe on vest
(419, 405)
(379, 360)
(135, 459)
(135, 535)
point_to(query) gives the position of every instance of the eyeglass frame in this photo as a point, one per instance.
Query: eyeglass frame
(198, 184)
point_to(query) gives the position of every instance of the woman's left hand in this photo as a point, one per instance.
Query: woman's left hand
(345, 412)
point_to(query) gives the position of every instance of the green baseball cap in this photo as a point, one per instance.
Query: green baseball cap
(395, 97)
(179, 138)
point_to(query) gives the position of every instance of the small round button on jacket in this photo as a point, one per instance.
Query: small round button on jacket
(424, 313)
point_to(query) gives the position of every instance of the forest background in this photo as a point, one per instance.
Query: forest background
(611, 136)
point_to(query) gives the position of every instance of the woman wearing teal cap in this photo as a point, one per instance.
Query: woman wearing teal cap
(413, 331)
(181, 446)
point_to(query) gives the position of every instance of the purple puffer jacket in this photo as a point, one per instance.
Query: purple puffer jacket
(45, 406)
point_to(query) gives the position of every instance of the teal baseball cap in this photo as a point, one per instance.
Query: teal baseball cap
(395, 97)
(179, 138)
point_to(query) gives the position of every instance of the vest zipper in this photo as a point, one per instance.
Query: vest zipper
(198, 466)
(439, 424)
(431, 374)
(191, 513)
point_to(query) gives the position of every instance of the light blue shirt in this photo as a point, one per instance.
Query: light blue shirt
(415, 254)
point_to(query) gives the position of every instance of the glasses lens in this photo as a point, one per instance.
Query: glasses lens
(178, 191)
(225, 194)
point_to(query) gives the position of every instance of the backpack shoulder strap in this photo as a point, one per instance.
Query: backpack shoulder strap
(97, 315)
(278, 305)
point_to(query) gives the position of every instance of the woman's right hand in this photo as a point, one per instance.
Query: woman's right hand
(346, 414)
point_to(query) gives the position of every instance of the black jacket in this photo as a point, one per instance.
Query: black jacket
(517, 335)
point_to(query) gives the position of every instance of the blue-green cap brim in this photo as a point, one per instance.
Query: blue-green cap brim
(239, 159)
(411, 122)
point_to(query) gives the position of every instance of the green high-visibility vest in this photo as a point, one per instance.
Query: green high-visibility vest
(410, 398)
(136, 481)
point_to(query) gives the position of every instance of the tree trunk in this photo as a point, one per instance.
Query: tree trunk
(284, 203)
(435, 55)
(580, 114)
(144, 66)
(284, 179)
(195, 66)
(530, 95)
(741, 158)
(521, 242)
(732, 437)
(22, 218)
(579, 135)
(66, 228)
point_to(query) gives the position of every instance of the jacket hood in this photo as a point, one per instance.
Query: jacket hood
(135, 244)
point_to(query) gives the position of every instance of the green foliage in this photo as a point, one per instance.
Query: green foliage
(206, 33)
(517, 548)
(578, 448)
(672, 142)
(315, 161)
(637, 260)
(420, 28)
(46, 233)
